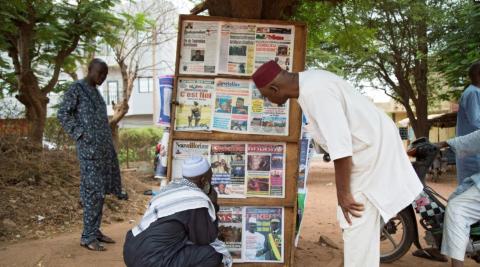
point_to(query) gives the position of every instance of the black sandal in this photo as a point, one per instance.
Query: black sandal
(105, 239)
(95, 245)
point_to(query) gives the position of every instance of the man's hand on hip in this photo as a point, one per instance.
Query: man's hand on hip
(349, 206)
(343, 170)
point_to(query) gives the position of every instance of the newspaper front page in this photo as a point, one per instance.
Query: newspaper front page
(194, 107)
(185, 149)
(232, 102)
(230, 228)
(266, 170)
(228, 166)
(266, 117)
(263, 239)
(199, 48)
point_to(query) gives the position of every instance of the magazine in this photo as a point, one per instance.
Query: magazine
(267, 117)
(230, 225)
(164, 100)
(199, 47)
(263, 239)
(265, 170)
(185, 149)
(228, 166)
(232, 102)
(194, 107)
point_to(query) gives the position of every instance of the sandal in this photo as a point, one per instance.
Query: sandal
(105, 239)
(95, 245)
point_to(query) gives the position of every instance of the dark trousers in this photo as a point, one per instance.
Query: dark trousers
(147, 255)
(92, 196)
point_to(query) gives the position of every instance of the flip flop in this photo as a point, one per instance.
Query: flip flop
(430, 254)
(95, 245)
(105, 239)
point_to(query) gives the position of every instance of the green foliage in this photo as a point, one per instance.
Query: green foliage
(62, 31)
(54, 133)
(461, 46)
(139, 142)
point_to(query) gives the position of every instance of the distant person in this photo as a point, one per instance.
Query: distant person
(180, 226)
(468, 121)
(374, 177)
(463, 207)
(197, 56)
(83, 115)
(195, 114)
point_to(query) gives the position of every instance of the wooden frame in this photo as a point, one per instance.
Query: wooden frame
(292, 140)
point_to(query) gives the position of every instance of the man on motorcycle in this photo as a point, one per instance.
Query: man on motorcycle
(373, 175)
(463, 207)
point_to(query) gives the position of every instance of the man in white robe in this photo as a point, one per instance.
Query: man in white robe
(374, 177)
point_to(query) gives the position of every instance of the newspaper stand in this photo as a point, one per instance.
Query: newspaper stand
(292, 140)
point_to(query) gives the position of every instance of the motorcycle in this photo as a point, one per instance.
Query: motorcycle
(400, 232)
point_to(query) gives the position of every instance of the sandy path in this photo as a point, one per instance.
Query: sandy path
(64, 250)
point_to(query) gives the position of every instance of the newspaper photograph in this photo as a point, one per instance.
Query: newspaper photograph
(263, 234)
(185, 149)
(232, 102)
(274, 42)
(194, 104)
(265, 170)
(267, 117)
(237, 48)
(230, 225)
(199, 47)
(228, 167)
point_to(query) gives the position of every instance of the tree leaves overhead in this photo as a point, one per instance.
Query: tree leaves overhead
(461, 44)
(56, 27)
(388, 45)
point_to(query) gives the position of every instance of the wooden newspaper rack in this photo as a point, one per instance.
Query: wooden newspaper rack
(292, 140)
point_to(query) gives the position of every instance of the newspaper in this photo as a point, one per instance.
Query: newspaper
(230, 225)
(301, 200)
(164, 100)
(232, 101)
(266, 170)
(263, 239)
(303, 163)
(274, 42)
(237, 48)
(267, 117)
(228, 166)
(199, 47)
(194, 107)
(186, 149)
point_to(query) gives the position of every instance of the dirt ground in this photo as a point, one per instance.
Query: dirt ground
(64, 249)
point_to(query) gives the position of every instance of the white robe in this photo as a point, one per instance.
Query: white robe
(345, 123)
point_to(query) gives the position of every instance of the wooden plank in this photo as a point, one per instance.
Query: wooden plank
(255, 201)
(255, 21)
(220, 136)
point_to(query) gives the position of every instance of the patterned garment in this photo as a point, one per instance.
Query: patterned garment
(83, 115)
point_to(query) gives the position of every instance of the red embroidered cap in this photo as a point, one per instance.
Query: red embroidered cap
(266, 73)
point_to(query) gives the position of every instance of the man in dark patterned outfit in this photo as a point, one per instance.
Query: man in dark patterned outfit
(83, 115)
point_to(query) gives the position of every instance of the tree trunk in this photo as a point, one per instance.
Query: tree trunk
(35, 102)
(115, 136)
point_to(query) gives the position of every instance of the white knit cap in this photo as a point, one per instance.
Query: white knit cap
(252, 220)
(195, 166)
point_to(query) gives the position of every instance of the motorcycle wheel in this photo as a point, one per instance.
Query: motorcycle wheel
(397, 236)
